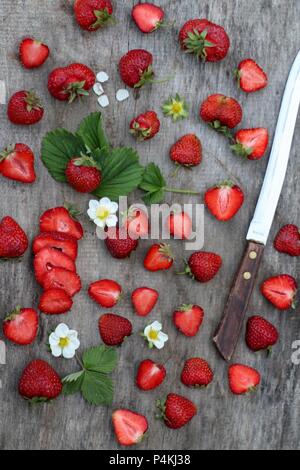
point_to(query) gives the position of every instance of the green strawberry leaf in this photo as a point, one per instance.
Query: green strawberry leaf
(100, 359)
(73, 382)
(92, 133)
(97, 389)
(154, 184)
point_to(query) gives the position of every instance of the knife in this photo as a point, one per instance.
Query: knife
(228, 331)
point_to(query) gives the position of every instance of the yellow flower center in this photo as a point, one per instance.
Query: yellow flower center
(176, 107)
(153, 334)
(102, 213)
(64, 342)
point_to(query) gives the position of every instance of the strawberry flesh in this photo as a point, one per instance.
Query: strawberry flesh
(243, 379)
(105, 292)
(150, 375)
(21, 326)
(144, 300)
(129, 427)
(251, 143)
(148, 17)
(33, 53)
(64, 243)
(62, 278)
(17, 164)
(188, 319)
(55, 302)
(59, 220)
(159, 257)
(224, 201)
(49, 258)
(280, 291)
(251, 76)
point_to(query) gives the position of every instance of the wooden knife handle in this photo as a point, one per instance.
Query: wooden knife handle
(228, 332)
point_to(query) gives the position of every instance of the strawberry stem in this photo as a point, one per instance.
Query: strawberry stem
(181, 191)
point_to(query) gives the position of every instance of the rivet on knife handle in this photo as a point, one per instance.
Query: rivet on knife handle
(229, 329)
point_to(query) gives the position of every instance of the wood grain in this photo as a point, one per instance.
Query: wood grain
(267, 30)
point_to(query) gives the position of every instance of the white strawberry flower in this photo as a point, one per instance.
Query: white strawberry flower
(64, 342)
(154, 335)
(103, 212)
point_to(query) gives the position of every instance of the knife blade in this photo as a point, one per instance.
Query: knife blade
(228, 331)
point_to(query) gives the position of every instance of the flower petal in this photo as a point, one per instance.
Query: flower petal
(158, 343)
(147, 330)
(156, 326)
(53, 339)
(93, 204)
(56, 351)
(62, 330)
(113, 208)
(68, 352)
(100, 223)
(105, 201)
(163, 337)
(111, 221)
(92, 214)
(75, 343)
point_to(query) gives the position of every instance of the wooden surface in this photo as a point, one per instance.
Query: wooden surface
(269, 419)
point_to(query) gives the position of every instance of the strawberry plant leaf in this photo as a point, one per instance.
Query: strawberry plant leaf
(92, 133)
(97, 389)
(154, 184)
(72, 383)
(100, 359)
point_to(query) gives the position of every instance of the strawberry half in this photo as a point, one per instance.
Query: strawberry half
(288, 240)
(62, 278)
(224, 201)
(196, 373)
(114, 329)
(64, 243)
(144, 300)
(188, 319)
(176, 410)
(260, 334)
(55, 302)
(158, 258)
(33, 53)
(147, 17)
(129, 427)
(280, 291)
(150, 375)
(105, 292)
(21, 326)
(136, 222)
(49, 258)
(220, 110)
(179, 225)
(39, 382)
(251, 76)
(243, 379)
(251, 143)
(13, 239)
(17, 163)
(59, 219)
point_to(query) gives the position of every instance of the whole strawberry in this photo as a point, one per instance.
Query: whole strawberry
(114, 329)
(280, 291)
(33, 53)
(147, 17)
(13, 239)
(187, 151)
(83, 174)
(17, 163)
(203, 266)
(224, 201)
(250, 76)
(119, 243)
(196, 373)
(176, 410)
(93, 14)
(69, 83)
(288, 240)
(251, 143)
(145, 126)
(260, 334)
(21, 326)
(24, 108)
(206, 40)
(136, 68)
(40, 382)
(220, 110)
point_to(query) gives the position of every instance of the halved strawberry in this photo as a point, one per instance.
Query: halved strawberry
(251, 143)
(136, 222)
(49, 258)
(21, 325)
(64, 243)
(144, 300)
(33, 53)
(224, 200)
(180, 225)
(188, 319)
(105, 292)
(17, 163)
(243, 379)
(55, 302)
(280, 291)
(251, 76)
(150, 375)
(129, 427)
(59, 219)
(159, 257)
(147, 17)
(62, 278)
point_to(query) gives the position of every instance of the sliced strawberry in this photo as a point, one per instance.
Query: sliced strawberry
(21, 326)
(55, 301)
(251, 76)
(129, 427)
(243, 379)
(224, 200)
(180, 225)
(188, 319)
(144, 300)
(280, 291)
(251, 143)
(60, 220)
(49, 258)
(105, 292)
(33, 53)
(62, 278)
(136, 222)
(147, 17)
(150, 375)
(64, 243)
(17, 163)
(159, 257)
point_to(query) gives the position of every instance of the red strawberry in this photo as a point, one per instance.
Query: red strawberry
(24, 108)
(260, 334)
(114, 329)
(17, 163)
(144, 300)
(83, 174)
(288, 240)
(243, 379)
(47, 259)
(150, 375)
(251, 76)
(188, 319)
(119, 243)
(203, 266)
(21, 326)
(55, 302)
(220, 110)
(196, 373)
(147, 17)
(145, 126)
(40, 382)
(62, 278)
(13, 239)
(68, 83)
(187, 151)
(251, 143)
(93, 14)
(64, 243)
(33, 53)
(158, 258)
(59, 219)
(136, 222)
(105, 292)
(207, 40)
(224, 201)
(280, 291)
(180, 225)
(176, 410)
(129, 427)
(136, 68)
